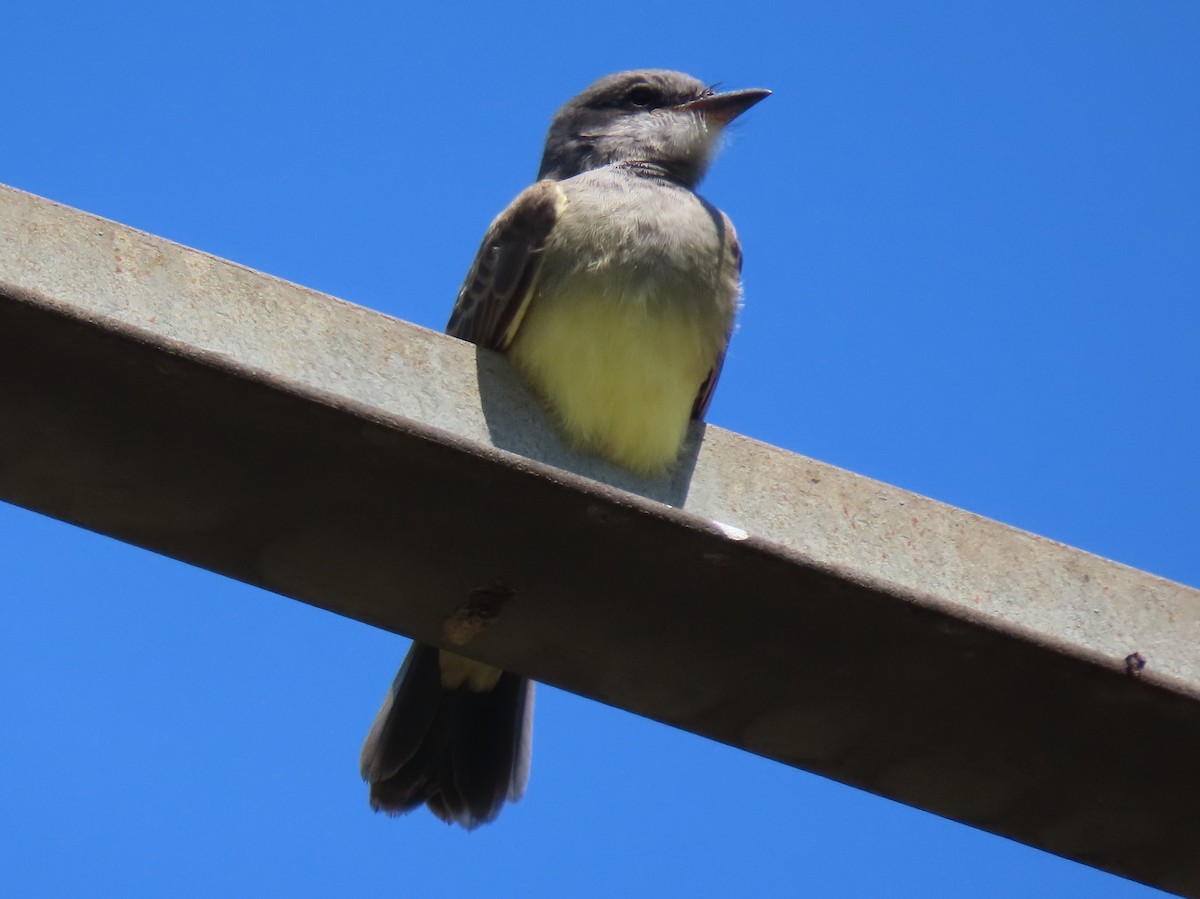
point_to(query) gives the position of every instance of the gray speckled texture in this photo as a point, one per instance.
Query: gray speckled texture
(821, 512)
(353, 461)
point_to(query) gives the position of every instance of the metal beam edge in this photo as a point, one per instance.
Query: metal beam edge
(385, 472)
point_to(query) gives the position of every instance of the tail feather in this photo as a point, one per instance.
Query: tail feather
(460, 751)
(406, 716)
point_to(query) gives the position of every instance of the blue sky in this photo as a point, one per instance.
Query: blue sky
(972, 236)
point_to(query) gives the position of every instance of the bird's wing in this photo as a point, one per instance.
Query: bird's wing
(733, 247)
(498, 287)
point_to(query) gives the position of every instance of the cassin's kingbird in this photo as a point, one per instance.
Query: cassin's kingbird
(612, 286)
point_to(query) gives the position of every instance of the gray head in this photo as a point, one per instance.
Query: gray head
(667, 120)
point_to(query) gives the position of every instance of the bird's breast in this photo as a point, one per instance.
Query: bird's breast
(629, 314)
(619, 378)
(641, 241)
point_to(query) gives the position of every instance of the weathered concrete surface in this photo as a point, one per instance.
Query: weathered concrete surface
(382, 471)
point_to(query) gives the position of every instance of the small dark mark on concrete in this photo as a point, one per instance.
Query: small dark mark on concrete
(480, 610)
(1134, 663)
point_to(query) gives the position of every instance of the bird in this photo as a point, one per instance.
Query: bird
(612, 286)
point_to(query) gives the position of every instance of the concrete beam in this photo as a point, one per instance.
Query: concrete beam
(381, 471)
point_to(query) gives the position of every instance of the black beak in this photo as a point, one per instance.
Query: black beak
(721, 109)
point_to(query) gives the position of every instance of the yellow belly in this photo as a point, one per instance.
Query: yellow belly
(619, 379)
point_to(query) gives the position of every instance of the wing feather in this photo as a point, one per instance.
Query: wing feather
(733, 247)
(499, 283)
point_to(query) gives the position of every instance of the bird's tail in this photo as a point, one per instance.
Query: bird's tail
(462, 749)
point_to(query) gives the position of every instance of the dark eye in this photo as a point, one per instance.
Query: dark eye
(641, 96)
